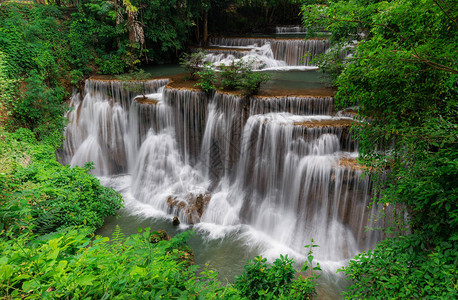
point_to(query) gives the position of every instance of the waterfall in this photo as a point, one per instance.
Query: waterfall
(280, 166)
(98, 129)
(295, 105)
(290, 29)
(293, 52)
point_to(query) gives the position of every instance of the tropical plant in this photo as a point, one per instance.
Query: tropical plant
(207, 78)
(261, 280)
(193, 62)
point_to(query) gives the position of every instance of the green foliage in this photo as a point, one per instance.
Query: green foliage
(68, 264)
(251, 82)
(193, 62)
(232, 75)
(207, 78)
(135, 81)
(238, 75)
(41, 195)
(112, 63)
(40, 108)
(403, 76)
(403, 268)
(261, 280)
(7, 85)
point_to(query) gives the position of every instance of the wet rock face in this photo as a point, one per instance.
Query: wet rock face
(193, 207)
(175, 221)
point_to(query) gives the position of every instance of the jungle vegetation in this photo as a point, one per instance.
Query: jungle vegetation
(402, 75)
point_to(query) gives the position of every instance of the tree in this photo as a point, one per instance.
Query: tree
(403, 76)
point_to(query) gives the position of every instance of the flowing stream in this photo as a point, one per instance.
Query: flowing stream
(259, 176)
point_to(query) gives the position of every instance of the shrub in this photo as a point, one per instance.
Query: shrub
(232, 74)
(193, 62)
(112, 63)
(40, 108)
(240, 75)
(41, 195)
(251, 82)
(261, 280)
(138, 84)
(207, 78)
(403, 268)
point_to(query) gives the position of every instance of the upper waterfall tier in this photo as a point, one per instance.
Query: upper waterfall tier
(290, 29)
(294, 52)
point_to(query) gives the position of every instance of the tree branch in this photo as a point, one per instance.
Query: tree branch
(448, 16)
(415, 55)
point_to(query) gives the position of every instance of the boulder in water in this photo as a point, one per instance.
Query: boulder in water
(193, 207)
(160, 235)
(175, 221)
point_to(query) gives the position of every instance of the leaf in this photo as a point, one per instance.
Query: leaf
(310, 258)
(138, 271)
(6, 272)
(85, 280)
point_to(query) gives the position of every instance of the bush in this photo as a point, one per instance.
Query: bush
(40, 195)
(251, 82)
(261, 280)
(193, 62)
(207, 78)
(138, 85)
(238, 75)
(403, 268)
(232, 74)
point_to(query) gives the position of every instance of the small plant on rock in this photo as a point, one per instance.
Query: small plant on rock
(193, 63)
(230, 75)
(207, 78)
(251, 82)
(135, 82)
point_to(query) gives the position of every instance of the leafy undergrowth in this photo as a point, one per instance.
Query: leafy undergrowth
(68, 264)
(403, 268)
(40, 195)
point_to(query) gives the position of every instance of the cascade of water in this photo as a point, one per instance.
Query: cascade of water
(294, 52)
(221, 140)
(274, 164)
(216, 55)
(289, 184)
(295, 105)
(261, 57)
(290, 29)
(98, 129)
(189, 110)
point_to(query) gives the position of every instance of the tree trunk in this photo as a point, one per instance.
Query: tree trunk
(205, 29)
(197, 30)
